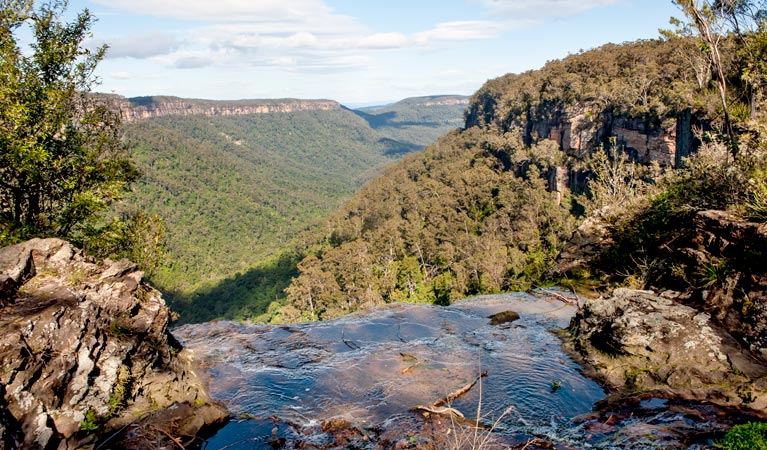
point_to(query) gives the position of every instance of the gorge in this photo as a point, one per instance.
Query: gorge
(580, 263)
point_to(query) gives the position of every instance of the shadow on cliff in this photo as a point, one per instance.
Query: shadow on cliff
(240, 297)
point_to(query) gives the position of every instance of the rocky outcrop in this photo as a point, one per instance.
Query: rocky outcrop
(580, 130)
(137, 108)
(588, 241)
(714, 256)
(637, 341)
(84, 348)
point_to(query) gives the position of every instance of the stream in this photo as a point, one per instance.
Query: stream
(370, 370)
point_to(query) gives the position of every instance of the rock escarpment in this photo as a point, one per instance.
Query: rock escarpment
(84, 348)
(704, 341)
(137, 108)
(716, 258)
(638, 341)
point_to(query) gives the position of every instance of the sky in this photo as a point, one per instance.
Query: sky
(358, 52)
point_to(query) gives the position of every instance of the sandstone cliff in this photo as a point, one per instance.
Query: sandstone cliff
(137, 108)
(85, 350)
(579, 129)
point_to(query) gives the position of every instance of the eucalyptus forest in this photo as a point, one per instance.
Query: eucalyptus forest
(588, 239)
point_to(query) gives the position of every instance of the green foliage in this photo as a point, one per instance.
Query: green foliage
(615, 180)
(475, 213)
(91, 423)
(650, 80)
(239, 194)
(714, 273)
(645, 235)
(61, 160)
(709, 180)
(253, 295)
(749, 436)
(453, 221)
(120, 393)
(137, 236)
(756, 206)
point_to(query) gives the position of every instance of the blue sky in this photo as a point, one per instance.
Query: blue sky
(359, 52)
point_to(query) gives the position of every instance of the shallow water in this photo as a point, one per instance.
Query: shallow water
(372, 366)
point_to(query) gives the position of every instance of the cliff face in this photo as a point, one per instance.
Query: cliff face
(84, 348)
(637, 96)
(137, 108)
(581, 130)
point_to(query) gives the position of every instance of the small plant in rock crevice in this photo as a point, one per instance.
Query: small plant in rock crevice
(91, 422)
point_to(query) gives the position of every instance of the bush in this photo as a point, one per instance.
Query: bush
(749, 436)
(756, 207)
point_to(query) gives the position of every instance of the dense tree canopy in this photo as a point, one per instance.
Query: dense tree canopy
(61, 160)
(476, 213)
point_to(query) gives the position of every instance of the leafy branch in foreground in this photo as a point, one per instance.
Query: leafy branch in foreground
(61, 160)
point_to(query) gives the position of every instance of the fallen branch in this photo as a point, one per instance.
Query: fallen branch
(168, 435)
(561, 297)
(460, 392)
(439, 406)
(441, 410)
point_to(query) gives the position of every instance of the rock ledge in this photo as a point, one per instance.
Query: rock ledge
(85, 349)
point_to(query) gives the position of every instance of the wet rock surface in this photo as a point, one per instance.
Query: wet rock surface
(85, 350)
(361, 381)
(650, 421)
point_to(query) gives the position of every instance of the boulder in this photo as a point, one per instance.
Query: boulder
(503, 317)
(84, 348)
(640, 341)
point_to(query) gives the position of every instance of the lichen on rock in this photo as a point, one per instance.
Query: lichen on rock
(84, 347)
(639, 341)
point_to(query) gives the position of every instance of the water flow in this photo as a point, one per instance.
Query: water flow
(369, 367)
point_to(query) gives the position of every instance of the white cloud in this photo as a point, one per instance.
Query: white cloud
(460, 31)
(539, 9)
(295, 34)
(382, 41)
(193, 62)
(143, 46)
(227, 10)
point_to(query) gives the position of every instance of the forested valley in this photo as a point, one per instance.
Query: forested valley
(240, 194)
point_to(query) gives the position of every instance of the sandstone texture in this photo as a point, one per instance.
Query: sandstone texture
(716, 258)
(138, 108)
(638, 341)
(85, 350)
(581, 130)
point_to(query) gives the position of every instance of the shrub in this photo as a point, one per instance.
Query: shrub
(749, 436)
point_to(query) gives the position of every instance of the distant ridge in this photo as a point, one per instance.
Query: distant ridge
(428, 100)
(136, 108)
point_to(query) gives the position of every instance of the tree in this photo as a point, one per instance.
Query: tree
(716, 21)
(61, 159)
(708, 19)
